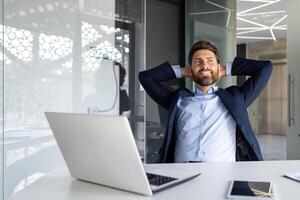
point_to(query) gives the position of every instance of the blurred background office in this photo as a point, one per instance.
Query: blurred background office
(71, 55)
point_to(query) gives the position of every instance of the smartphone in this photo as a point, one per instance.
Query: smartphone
(259, 190)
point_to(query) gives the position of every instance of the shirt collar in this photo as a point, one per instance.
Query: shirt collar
(212, 90)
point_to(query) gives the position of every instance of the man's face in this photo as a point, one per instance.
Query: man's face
(205, 67)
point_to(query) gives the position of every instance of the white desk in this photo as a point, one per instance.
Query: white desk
(212, 184)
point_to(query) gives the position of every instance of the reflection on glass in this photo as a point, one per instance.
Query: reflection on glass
(18, 42)
(52, 53)
(252, 189)
(27, 181)
(28, 156)
(103, 47)
(54, 47)
(37, 69)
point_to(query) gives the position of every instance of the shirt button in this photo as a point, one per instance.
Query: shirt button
(253, 146)
(242, 127)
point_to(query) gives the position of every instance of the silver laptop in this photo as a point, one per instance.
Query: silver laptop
(101, 149)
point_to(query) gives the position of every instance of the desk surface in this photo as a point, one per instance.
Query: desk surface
(212, 184)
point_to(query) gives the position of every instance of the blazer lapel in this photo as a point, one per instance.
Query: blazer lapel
(229, 104)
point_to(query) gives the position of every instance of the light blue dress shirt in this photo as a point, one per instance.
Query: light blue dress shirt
(205, 131)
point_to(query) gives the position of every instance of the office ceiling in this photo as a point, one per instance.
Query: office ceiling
(259, 20)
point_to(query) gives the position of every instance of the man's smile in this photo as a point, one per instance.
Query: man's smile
(206, 72)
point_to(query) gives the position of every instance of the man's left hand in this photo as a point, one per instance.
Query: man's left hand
(222, 71)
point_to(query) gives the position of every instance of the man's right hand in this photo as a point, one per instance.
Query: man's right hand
(186, 71)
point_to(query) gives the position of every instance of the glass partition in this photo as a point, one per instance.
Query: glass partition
(214, 21)
(293, 51)
(1, 104)
(165, 42)
(65, 56)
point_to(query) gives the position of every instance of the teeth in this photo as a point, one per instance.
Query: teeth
(205, 72)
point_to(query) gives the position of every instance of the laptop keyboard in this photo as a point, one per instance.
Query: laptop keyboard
(158, 180)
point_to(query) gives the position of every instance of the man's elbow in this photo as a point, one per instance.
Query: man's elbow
(145, 78)
(266, 68)
(142, 76)
(269, 67)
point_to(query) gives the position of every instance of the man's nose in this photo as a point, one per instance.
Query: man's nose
(205, 65)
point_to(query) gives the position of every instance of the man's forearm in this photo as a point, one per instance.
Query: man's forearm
(151, 81)
(249, 67)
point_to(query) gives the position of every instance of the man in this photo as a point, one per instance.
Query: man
(212, 123)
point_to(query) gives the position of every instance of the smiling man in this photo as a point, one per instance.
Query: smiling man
(210, 124)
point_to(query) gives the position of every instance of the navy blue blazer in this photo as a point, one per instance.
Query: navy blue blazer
(236, 99)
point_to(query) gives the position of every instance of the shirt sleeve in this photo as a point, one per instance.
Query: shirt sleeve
(177, 71)
(228, 68)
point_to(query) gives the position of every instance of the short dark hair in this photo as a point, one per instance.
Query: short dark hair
(203, 45)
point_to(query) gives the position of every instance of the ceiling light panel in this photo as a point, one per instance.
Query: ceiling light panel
(260, 20)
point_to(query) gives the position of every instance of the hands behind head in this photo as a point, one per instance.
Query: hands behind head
(186, 71)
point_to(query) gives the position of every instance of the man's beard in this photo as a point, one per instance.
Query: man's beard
(205, 80)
